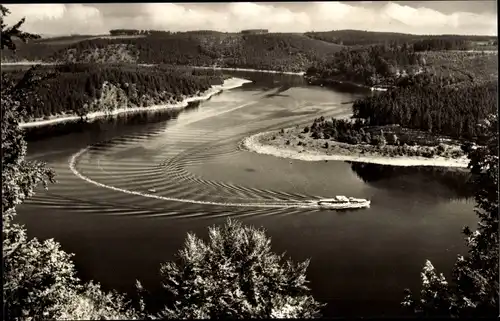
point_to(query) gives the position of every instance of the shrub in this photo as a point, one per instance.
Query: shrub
(316, 135)
(441, 148)
(334, 133)
(306, 130)
(40, 283)
(367, 138)
(375, 140)
(382, 141)
(456, 153)
(355, 139)
(392, 139)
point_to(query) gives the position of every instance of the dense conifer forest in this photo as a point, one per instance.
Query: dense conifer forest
(421, 103)
(280, 51)
(441, 92)
(386, 64)
(80, 88)
(373, 65)
(420, 42)
(446, 110)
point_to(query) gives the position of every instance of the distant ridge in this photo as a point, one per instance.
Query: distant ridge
(251, 49)
(269, 51)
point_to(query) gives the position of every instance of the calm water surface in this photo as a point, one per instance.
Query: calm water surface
(360, 261)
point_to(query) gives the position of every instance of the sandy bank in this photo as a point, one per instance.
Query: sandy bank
(228, 84)
(263, 143)
(27, 63)
(44, 63)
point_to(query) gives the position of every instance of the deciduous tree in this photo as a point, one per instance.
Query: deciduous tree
(235, 274)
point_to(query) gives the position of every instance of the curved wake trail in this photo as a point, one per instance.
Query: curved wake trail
(74, 158)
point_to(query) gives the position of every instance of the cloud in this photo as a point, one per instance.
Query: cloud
(57, 18)
(248, 15)
(299, 17)
(428, 19)
(37, 12)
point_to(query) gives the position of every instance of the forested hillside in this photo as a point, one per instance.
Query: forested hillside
(448, 95)
(420, 42)
(373, 65)
(282, 52)
(419, 118)
(450, 111)
(80, 89)
(274, 51)
(358, 37)
(440, 92)
(390, 64)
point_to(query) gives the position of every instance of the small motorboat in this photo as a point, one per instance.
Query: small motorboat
(343, 202)
(152, 190)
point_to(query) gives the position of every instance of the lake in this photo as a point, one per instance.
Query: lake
(360, 260)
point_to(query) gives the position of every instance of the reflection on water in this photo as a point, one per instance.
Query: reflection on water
(267, 81)
(103, 124)
(448, 182)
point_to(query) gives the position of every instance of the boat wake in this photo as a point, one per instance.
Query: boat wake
(306, 204)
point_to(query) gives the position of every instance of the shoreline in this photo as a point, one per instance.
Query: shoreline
(315, 81)
(254, 144)
(301, 73)
(28, 63)
(228, 84)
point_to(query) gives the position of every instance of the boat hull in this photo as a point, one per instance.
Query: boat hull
(345, 206)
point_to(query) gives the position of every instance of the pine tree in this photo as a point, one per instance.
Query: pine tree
(8, 33)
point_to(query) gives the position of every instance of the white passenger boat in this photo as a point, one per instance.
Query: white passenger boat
(343, 202)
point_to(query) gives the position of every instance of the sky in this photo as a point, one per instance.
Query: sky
(417, 17)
